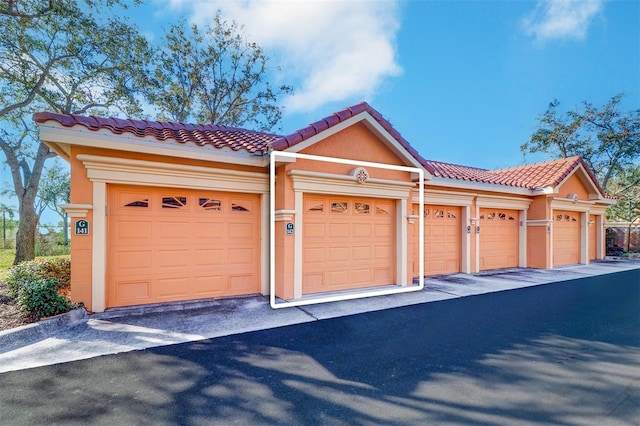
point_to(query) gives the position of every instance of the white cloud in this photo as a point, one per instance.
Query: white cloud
(329, 50)
(561, 19)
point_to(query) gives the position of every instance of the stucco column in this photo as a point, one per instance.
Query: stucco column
(99, 252)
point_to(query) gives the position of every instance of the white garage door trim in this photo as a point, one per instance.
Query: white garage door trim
(401, 215)
(102, 170)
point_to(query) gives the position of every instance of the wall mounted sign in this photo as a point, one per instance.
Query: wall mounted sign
(290, 228)
(82, 227)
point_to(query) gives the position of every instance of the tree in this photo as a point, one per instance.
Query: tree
(55, 189)
(606, 138)
(65, 57)
(626, 186)
(214, 76)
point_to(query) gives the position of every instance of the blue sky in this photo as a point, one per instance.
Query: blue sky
(462, 81)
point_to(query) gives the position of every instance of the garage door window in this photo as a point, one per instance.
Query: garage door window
(380, 210)
(239, 208)
(210, 204)
(174, 202)
(362, 208)
(339, 207)
(138, 203)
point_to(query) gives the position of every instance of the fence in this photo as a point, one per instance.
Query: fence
(622, 238)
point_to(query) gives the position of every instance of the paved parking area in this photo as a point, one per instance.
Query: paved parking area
(130, 329)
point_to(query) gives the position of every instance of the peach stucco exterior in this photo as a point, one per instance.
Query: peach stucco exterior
(337, 226)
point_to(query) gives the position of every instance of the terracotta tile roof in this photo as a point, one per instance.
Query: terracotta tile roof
(200, 134)
(529, 176)
(313, 129)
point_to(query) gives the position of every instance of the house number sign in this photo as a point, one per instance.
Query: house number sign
(82, 227)
(290, 228)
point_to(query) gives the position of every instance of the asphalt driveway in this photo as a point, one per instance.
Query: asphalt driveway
(562, 353)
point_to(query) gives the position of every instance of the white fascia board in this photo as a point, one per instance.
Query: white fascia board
(480, 186)
(58, 136)
(373, 125)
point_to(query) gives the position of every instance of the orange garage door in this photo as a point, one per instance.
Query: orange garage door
(566, 238)
(499, 239)
(442, 240)
(348, 243)
(176, 244)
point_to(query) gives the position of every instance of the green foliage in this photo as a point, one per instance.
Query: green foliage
(41, 298)
(607, 138)
(626, 186)
(65, 56)
(214, 76)
(58, 268)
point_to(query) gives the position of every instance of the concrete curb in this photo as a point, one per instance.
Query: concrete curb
(42, 329)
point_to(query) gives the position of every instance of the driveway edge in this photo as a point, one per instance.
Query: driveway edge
(42, 329)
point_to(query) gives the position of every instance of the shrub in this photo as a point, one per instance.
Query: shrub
(53, 268)
(40, 286)
(41, 297)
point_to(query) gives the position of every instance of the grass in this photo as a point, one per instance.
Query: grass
(6, 260)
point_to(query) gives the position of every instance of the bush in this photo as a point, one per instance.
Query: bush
(41, 297)
(40, 286)
(54, 268)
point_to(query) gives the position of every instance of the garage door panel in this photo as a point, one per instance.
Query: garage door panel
(337, 230)
(133, 259)
(172, 230)
(338, 279)
(337, 254)
(314, 255)
(208, 257)
(361, 230)
(241, 230)
(361, 253)
(189, 244)
(173, 258)
(314, 230)
(133, 290)
(131, 229)
(213, 230)
(384, 231)
(208, 285)
(171, 288)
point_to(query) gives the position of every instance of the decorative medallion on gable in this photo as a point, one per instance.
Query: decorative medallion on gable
(361, 174)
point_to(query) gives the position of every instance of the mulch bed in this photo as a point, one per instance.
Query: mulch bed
(10, 314)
